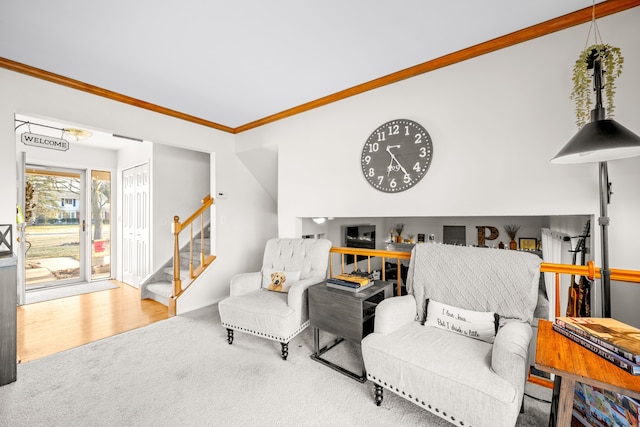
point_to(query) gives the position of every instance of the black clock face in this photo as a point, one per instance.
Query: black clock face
(396, 155)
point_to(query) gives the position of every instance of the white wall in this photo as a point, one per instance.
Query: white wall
(242, 222)
(180, 180)
(495, 122)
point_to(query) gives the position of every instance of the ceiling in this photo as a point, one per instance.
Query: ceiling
(236, 62)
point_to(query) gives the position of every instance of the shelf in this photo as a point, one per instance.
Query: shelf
(400, 247)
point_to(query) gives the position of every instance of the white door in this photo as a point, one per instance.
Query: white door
(20, 227)
(135, 225)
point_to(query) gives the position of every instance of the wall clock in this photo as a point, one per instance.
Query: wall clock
(396, 156)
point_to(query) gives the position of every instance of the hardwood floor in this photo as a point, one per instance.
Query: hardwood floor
(49, 327)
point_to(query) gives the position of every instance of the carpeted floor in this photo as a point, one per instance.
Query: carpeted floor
(181, 371)
(47, 294)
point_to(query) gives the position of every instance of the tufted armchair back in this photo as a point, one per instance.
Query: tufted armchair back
(309, 256)
(480, 279)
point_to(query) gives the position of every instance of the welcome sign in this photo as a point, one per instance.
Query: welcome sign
(42, 141)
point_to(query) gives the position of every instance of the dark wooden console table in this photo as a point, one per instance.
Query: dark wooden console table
(570, 362)
(348, 315)
(8, 304)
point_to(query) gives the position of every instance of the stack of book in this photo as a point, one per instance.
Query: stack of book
(349, 282)
(611, 339)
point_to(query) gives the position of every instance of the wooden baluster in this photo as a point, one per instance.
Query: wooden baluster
(191, 251)
(202, 239)
(558, 294)
(177, 283)
(399, 278)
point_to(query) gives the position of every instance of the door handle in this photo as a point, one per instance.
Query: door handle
(84, 225)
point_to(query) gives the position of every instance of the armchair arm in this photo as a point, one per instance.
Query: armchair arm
(245, 282)
(392, 313)
(510, 349)
(298, 289)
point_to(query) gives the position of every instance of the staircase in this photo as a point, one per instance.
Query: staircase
(168, 283)
(159, 286)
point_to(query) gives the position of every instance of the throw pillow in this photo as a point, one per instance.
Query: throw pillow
(279, 280)
(474, 324)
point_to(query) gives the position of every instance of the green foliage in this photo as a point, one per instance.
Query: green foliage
(45, 192)
(612, 61)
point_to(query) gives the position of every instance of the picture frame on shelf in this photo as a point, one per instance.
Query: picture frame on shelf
(528, 244)
(454, 234)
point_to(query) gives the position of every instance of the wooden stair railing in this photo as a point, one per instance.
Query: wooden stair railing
(205, 259)
(369, 253)
(589, 270)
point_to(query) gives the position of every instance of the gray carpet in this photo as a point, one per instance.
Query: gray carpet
(181, 371)
(39, 295)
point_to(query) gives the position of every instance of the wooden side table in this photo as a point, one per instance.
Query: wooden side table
(348, 315)
(570, 362)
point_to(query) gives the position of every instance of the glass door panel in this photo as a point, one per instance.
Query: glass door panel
(54, 227)
(100, 225)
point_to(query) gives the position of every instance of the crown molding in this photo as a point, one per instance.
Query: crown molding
(548, 27)
(95, 90)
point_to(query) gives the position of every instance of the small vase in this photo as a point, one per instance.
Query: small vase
(398, 239)
(513, 245)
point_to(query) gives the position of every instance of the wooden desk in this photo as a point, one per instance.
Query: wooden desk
(570, 362)
(349, 315)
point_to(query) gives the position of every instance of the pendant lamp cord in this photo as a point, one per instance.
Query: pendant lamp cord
(597, 38)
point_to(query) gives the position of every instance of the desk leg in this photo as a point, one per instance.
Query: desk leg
(320, 351)
(565, 401)
(316, 341)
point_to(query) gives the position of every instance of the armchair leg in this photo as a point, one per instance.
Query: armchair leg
(378, 394)
(230, 336)
(285, 350)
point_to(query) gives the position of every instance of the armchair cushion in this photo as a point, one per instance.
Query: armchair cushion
(469, 323)
(261, 313)
(278, 280)
(444, 371)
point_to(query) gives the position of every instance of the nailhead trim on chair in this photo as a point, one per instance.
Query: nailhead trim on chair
(268, 336)
(415, 400)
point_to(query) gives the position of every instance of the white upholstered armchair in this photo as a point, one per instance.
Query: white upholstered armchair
(265, 304)
(437, 365)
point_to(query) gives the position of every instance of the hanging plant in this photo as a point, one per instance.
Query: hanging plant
(612, 61)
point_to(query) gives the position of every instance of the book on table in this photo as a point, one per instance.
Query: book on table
(349, 282)
(612, 334)
(610, 356)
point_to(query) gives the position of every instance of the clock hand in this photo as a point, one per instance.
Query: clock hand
(394, 159)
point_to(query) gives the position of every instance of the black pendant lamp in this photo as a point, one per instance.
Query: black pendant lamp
(601, 139)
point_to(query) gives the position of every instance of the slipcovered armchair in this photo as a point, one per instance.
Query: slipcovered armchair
(263, 304)
(457, 345)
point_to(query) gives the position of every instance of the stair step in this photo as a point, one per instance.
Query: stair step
(184, 271)
(159, 291)
(160, 288)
